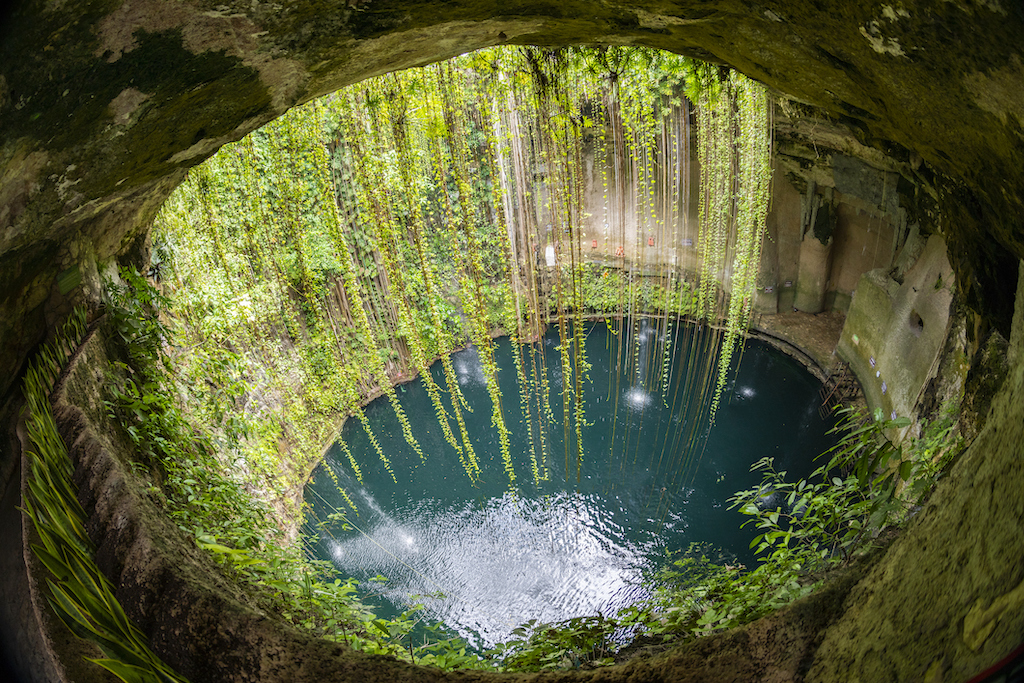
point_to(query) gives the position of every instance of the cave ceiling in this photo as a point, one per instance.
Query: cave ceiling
(104, 105)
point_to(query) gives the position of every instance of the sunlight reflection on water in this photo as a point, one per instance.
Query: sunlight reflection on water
(493, 565)
(637, 398)
(484, 559)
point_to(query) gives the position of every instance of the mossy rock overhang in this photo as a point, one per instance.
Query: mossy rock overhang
(105, 104)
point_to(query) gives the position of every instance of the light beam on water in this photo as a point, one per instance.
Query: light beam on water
(483, 559)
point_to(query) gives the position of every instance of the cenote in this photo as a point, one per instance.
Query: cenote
(484, 556)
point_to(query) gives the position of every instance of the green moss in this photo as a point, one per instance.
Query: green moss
(197, 97)
(65, 99)
(54, 54)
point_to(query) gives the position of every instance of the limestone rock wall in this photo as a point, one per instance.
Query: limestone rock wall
(105, 104)
(837, 211)
(947, 600)
(895, 331)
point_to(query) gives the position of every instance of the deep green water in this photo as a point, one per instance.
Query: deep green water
(562, 548)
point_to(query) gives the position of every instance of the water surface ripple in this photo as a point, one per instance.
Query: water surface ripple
(484, 557)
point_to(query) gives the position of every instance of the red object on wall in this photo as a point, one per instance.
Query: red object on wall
(593, 244)
(650, 241)
(618, 250)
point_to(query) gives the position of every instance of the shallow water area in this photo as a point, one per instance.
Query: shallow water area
(484, 556)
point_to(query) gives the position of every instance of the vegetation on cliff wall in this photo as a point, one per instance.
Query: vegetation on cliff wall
(358, 238)
(806, 527)
(346, 246)
(87, 167)
(177, 395)
(77, 591)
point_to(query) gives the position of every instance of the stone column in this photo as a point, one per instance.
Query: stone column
(815, 263)
(815, 252)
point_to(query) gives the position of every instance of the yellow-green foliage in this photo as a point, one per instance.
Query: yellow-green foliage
(79, 594)
(359, 237)
(734, 154)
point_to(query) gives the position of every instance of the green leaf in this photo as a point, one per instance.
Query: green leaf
(906, 467)
(216, 547)
(57, 566)
(127, 672)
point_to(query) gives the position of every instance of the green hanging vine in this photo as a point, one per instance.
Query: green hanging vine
(389, 224)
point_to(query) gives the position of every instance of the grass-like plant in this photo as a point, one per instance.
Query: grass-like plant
(79, 594)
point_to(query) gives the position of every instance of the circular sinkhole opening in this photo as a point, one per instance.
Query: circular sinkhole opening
(578, 532)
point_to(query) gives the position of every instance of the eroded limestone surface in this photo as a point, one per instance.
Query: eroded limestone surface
(944, 603)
